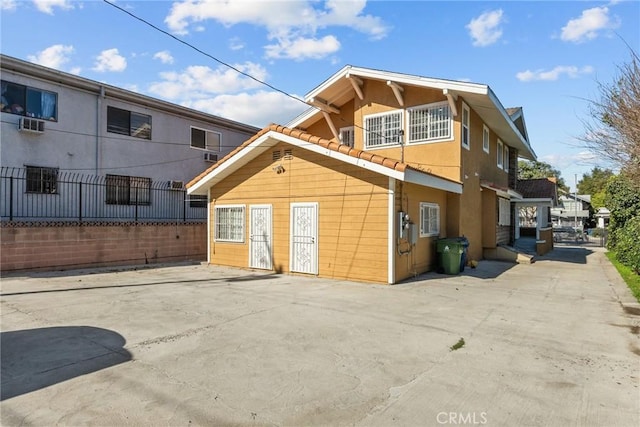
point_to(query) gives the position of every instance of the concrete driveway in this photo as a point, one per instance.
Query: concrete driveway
(547, 344)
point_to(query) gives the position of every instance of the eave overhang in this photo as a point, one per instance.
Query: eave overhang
(339, 89)
(269, 138)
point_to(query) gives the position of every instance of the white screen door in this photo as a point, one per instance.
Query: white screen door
(304, 238)
(260, 250)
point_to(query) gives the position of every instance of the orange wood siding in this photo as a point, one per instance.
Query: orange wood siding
(352, 212)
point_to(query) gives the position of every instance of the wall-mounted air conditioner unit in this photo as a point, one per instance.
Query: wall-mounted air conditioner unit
(176, 185)
(210, 157)
(27, 124)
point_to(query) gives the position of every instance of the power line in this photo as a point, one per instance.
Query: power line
(155, 27)
(208, 55)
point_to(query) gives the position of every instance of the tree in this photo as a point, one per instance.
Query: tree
(613, 128)
(595, 184)
(623, 199)
(535, 169)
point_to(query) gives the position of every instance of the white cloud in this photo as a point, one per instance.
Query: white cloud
(258, 109)
(570, 70)
(8, 5)
(46, 6)
(485, 29)
(288, 22)
(199, 81)
(587, 26)
(110, 60)
(302, 48)
(53, 57)
(164, 57)
(236, 44)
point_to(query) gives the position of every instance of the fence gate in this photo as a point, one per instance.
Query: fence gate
(260, 250)
(304, 238)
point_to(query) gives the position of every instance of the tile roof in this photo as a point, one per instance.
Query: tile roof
(537, 188)
(322, 142)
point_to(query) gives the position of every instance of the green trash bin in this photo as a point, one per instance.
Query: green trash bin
(450, 253)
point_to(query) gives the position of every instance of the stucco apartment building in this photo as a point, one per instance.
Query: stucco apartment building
(92, 174)
(362, 185)
(55, 122)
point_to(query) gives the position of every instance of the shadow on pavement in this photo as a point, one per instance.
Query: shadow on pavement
(576, 255)
(33, 359)
(133, 285)
(487, 269)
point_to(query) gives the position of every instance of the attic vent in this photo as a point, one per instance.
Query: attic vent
(276, 155)
(288, 154)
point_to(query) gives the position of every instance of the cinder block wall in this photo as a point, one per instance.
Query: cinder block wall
(63, 247)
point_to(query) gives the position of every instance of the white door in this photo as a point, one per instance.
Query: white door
(304, 238)
(260, 250)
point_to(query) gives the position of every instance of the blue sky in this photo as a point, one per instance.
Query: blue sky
(544, 56)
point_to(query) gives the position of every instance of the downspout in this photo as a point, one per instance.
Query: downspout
(101, 95)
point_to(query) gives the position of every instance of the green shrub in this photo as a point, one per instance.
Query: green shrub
(627, 245)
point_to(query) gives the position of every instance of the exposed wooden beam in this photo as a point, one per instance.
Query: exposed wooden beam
(357, 85)
(324, 105)
(327, 117)
(452, 98)
(397, 91)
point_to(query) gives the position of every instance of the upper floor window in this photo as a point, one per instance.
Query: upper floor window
(485, 138)
(499, 154)
(126, 122)
(28, 101)
(505, 156)
(465, 126)
(206, 139)
(347, 136)
(429, 122)
(42, 180)
(429, 219)
(128, 190)
(383, 129)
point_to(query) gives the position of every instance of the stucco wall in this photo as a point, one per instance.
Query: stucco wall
(61, 247)
(79, 141)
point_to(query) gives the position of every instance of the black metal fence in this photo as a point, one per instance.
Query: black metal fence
(36, 194)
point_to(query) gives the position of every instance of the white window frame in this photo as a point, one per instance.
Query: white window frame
(486, 140)
(429, 226)
(505, 158)
(465, 137)
(235, 231)
(207, 147)
(394, 139)
(348, 133)
(429, 127)
(499, 157)
(504, 211)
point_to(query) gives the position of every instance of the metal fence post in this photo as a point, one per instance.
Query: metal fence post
(80, 201)
(184, 206)
(136, 202)
(11, 199)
